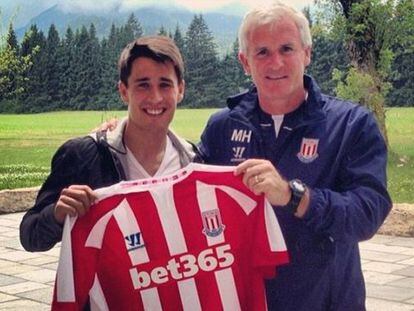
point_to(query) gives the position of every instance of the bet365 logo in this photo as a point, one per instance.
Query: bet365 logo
(184, 266)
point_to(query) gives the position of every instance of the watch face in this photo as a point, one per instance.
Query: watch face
(299, 186)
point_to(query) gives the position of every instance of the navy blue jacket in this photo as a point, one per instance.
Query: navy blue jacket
(336, 148)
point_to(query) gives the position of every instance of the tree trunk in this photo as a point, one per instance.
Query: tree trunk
(364, 46)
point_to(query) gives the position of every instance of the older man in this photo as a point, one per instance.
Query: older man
(321, 162)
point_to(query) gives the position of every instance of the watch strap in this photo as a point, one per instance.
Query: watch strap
(297, 194)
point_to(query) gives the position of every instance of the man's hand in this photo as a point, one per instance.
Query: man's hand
(74, 201)
(108, 125)
(261, 176)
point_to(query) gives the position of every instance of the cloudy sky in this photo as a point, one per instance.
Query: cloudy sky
(26, 9)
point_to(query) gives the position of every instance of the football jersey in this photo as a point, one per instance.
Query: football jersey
(195, 240)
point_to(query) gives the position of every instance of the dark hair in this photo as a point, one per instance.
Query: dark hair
(159, 48)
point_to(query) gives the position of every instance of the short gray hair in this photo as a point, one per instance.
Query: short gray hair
(270, 14)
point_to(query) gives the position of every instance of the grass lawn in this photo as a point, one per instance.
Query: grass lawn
(400, 127)
(27, 143)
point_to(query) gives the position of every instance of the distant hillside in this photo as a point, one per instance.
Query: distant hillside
(223, 26)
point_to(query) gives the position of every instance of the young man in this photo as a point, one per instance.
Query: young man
(151, 85)
(320, 161)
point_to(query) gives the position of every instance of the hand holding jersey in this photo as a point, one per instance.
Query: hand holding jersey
(74, 200)
(261, 176)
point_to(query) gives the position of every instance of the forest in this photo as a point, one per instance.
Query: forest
(78, 71)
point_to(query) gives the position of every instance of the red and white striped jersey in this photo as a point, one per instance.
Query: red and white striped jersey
(195, 240)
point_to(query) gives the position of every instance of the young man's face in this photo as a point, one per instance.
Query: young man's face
(152, 94)
(276, 60)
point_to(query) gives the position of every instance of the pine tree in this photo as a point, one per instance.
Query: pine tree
(11, 39)
(94, 75)
(202, 63)
(129, 32)
(109, 98)
(33, 98)
(402, 78)
(232, 77)
(162, 31)
(33, 38)
(52, 70)
(67, 56)
(81, 99)
(328, 53)
(13, 68)
(134, 26)
(10, 71)
(178, 39)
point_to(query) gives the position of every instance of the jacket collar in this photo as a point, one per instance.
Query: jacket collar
(310, 111)
(114, 140)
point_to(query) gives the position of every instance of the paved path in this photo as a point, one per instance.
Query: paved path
(26, 279)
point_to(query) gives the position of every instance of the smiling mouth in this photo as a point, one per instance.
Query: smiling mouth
(276, 78)
(155, 112)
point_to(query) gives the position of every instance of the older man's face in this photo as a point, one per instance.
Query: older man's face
(276, 60)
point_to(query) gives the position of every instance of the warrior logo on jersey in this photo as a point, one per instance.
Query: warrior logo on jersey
(308, 150)
(134, 241)
(212, 224)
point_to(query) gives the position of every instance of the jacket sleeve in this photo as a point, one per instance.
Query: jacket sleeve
(39, 231)
(209, 147)
(355, 211)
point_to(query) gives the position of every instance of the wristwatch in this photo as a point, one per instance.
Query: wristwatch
(298, 189)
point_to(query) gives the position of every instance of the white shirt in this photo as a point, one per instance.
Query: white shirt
(134, 170)
(277, 120)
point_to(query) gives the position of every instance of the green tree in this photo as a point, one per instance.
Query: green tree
(402, 78)
(11, 71)
(370, 29)
(179, 39)
(52, 70)
(12, 78)
(80, 101)
(109, 98)
(33, 99)
(202, 65)
(66, 57)
(88, 68)
(328, 54)
(11, 39)
(162, 31)
(134, 27)
(93, 83)
(232, 77)
(130, 31)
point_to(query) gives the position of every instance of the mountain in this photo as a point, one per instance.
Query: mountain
(223, 26)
